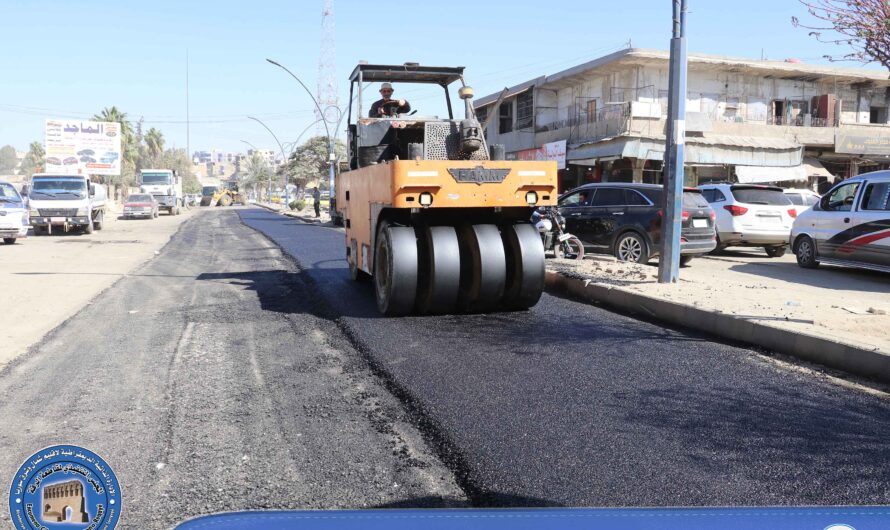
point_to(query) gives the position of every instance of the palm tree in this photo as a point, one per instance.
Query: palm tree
(35, 159)
(154, 141)
(129, 148)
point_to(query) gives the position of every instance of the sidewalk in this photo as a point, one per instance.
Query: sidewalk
(306, 214)
(842, 308)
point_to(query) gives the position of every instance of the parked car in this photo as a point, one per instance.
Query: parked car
(751, 215)
(802, 199)
(849, 226)
(141, 205)
(14, 220)
(624, 220)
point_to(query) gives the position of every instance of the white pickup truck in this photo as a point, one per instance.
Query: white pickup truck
(65, 202)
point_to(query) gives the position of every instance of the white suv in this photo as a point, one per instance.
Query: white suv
(751, 216)
(803, 199)
(849, 226)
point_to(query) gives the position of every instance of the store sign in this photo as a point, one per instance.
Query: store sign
(555, 151)
(83, 147)
(858, 144)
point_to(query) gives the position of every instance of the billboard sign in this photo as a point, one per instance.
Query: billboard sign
(83, 147)
(555, 151)
(859, 144)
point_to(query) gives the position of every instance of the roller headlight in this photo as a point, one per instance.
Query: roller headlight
(531, 198)
(426, 199)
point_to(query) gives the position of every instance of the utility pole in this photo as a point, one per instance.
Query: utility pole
(188, 147)
(669, 263)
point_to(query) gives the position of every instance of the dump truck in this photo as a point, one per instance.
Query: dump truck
(436, 217)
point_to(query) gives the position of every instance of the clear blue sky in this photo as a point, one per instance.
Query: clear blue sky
(71, 58)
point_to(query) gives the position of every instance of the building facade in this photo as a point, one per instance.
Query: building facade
(746, 120)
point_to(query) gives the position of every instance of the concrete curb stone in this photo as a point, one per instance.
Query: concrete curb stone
(856, 359)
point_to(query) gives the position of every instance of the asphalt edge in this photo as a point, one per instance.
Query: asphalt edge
(847, 357)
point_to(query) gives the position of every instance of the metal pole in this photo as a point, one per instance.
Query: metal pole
(269, 196)
(669, 263)
(188, 146)
(284, 161)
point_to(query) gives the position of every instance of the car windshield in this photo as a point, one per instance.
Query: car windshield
(8, 193)
(155, 178)
(766, 196)
(58, 186)
(139, 198)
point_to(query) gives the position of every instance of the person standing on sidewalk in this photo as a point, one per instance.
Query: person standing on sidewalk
(316, 201)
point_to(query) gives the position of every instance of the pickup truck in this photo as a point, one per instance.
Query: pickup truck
(65, 203)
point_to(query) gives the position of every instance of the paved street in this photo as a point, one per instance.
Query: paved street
(206, 381)
(225, 375)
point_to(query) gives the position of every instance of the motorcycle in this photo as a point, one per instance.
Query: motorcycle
(551, 225)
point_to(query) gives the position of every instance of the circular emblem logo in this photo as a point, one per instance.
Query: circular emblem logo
(65, 486)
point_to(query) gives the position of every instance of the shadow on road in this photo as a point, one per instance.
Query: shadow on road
(834, 278)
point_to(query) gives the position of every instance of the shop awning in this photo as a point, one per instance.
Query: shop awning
(715, 149)
(758, 174)
(815, 169)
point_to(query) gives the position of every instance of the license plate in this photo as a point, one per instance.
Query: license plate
(57, 219)
(700, 223)
(564, 237)
(769, 219)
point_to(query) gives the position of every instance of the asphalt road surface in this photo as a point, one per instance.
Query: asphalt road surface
(206, 381)
(569, 404)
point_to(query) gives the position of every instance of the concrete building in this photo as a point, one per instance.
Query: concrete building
(746, 120)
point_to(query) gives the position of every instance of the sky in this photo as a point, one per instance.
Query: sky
(70, 59)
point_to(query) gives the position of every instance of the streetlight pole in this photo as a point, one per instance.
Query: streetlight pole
(284, 160)
(269, 195)
(331, 157)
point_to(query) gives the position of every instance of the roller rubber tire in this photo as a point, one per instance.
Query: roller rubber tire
(439, 264)
(525, 266)
(395, 270)
(483, 274)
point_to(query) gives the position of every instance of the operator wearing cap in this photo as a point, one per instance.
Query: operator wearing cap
(388, 106)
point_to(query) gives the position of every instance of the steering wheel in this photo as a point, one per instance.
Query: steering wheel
(390, 103)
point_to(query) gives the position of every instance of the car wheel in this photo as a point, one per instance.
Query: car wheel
(775, 252)
(631, 247)
(9, 240)
(684, 260)
(806, 253)
(720, 248)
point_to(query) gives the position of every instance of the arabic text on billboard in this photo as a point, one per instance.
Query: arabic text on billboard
(555, 151)
(85, 147)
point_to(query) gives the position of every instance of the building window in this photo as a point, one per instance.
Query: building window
(591, 110)
(878, 115)
(505, 123)
(525, 110)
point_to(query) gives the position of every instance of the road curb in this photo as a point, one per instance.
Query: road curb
(851, 358)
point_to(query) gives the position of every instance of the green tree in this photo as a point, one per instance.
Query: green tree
(34, 161)
(129, 146)
(154, 142)
(8, 160)
(309, 162)
(861, 26)
(256, 172)
(178, 160)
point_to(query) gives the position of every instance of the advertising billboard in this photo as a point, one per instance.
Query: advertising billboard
(555, 151)
(83, 147)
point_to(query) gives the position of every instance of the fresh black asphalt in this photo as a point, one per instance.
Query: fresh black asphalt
(569, 404)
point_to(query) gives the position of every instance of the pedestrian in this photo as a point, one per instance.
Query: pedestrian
(316, 201)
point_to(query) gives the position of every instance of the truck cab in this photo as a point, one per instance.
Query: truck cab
(65, 202)
(165, 186)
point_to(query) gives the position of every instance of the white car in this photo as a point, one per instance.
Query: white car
(849, 226)
(803, 199)
(14, 220)
(750, 215)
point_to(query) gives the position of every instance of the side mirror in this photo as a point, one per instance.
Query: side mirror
(413, 112)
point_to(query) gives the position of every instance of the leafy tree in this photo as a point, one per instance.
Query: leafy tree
(154, 142)
(863, 25)
(35, 160)
(309, 162)
(8, 159)
(178, 160)
(129, 146)
(257, 172)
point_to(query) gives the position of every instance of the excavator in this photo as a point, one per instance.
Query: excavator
(434, 215)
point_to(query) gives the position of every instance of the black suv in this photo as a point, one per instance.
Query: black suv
(624, 220)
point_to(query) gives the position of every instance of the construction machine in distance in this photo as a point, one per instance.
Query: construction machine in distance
(227, 195)
(434, 215)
